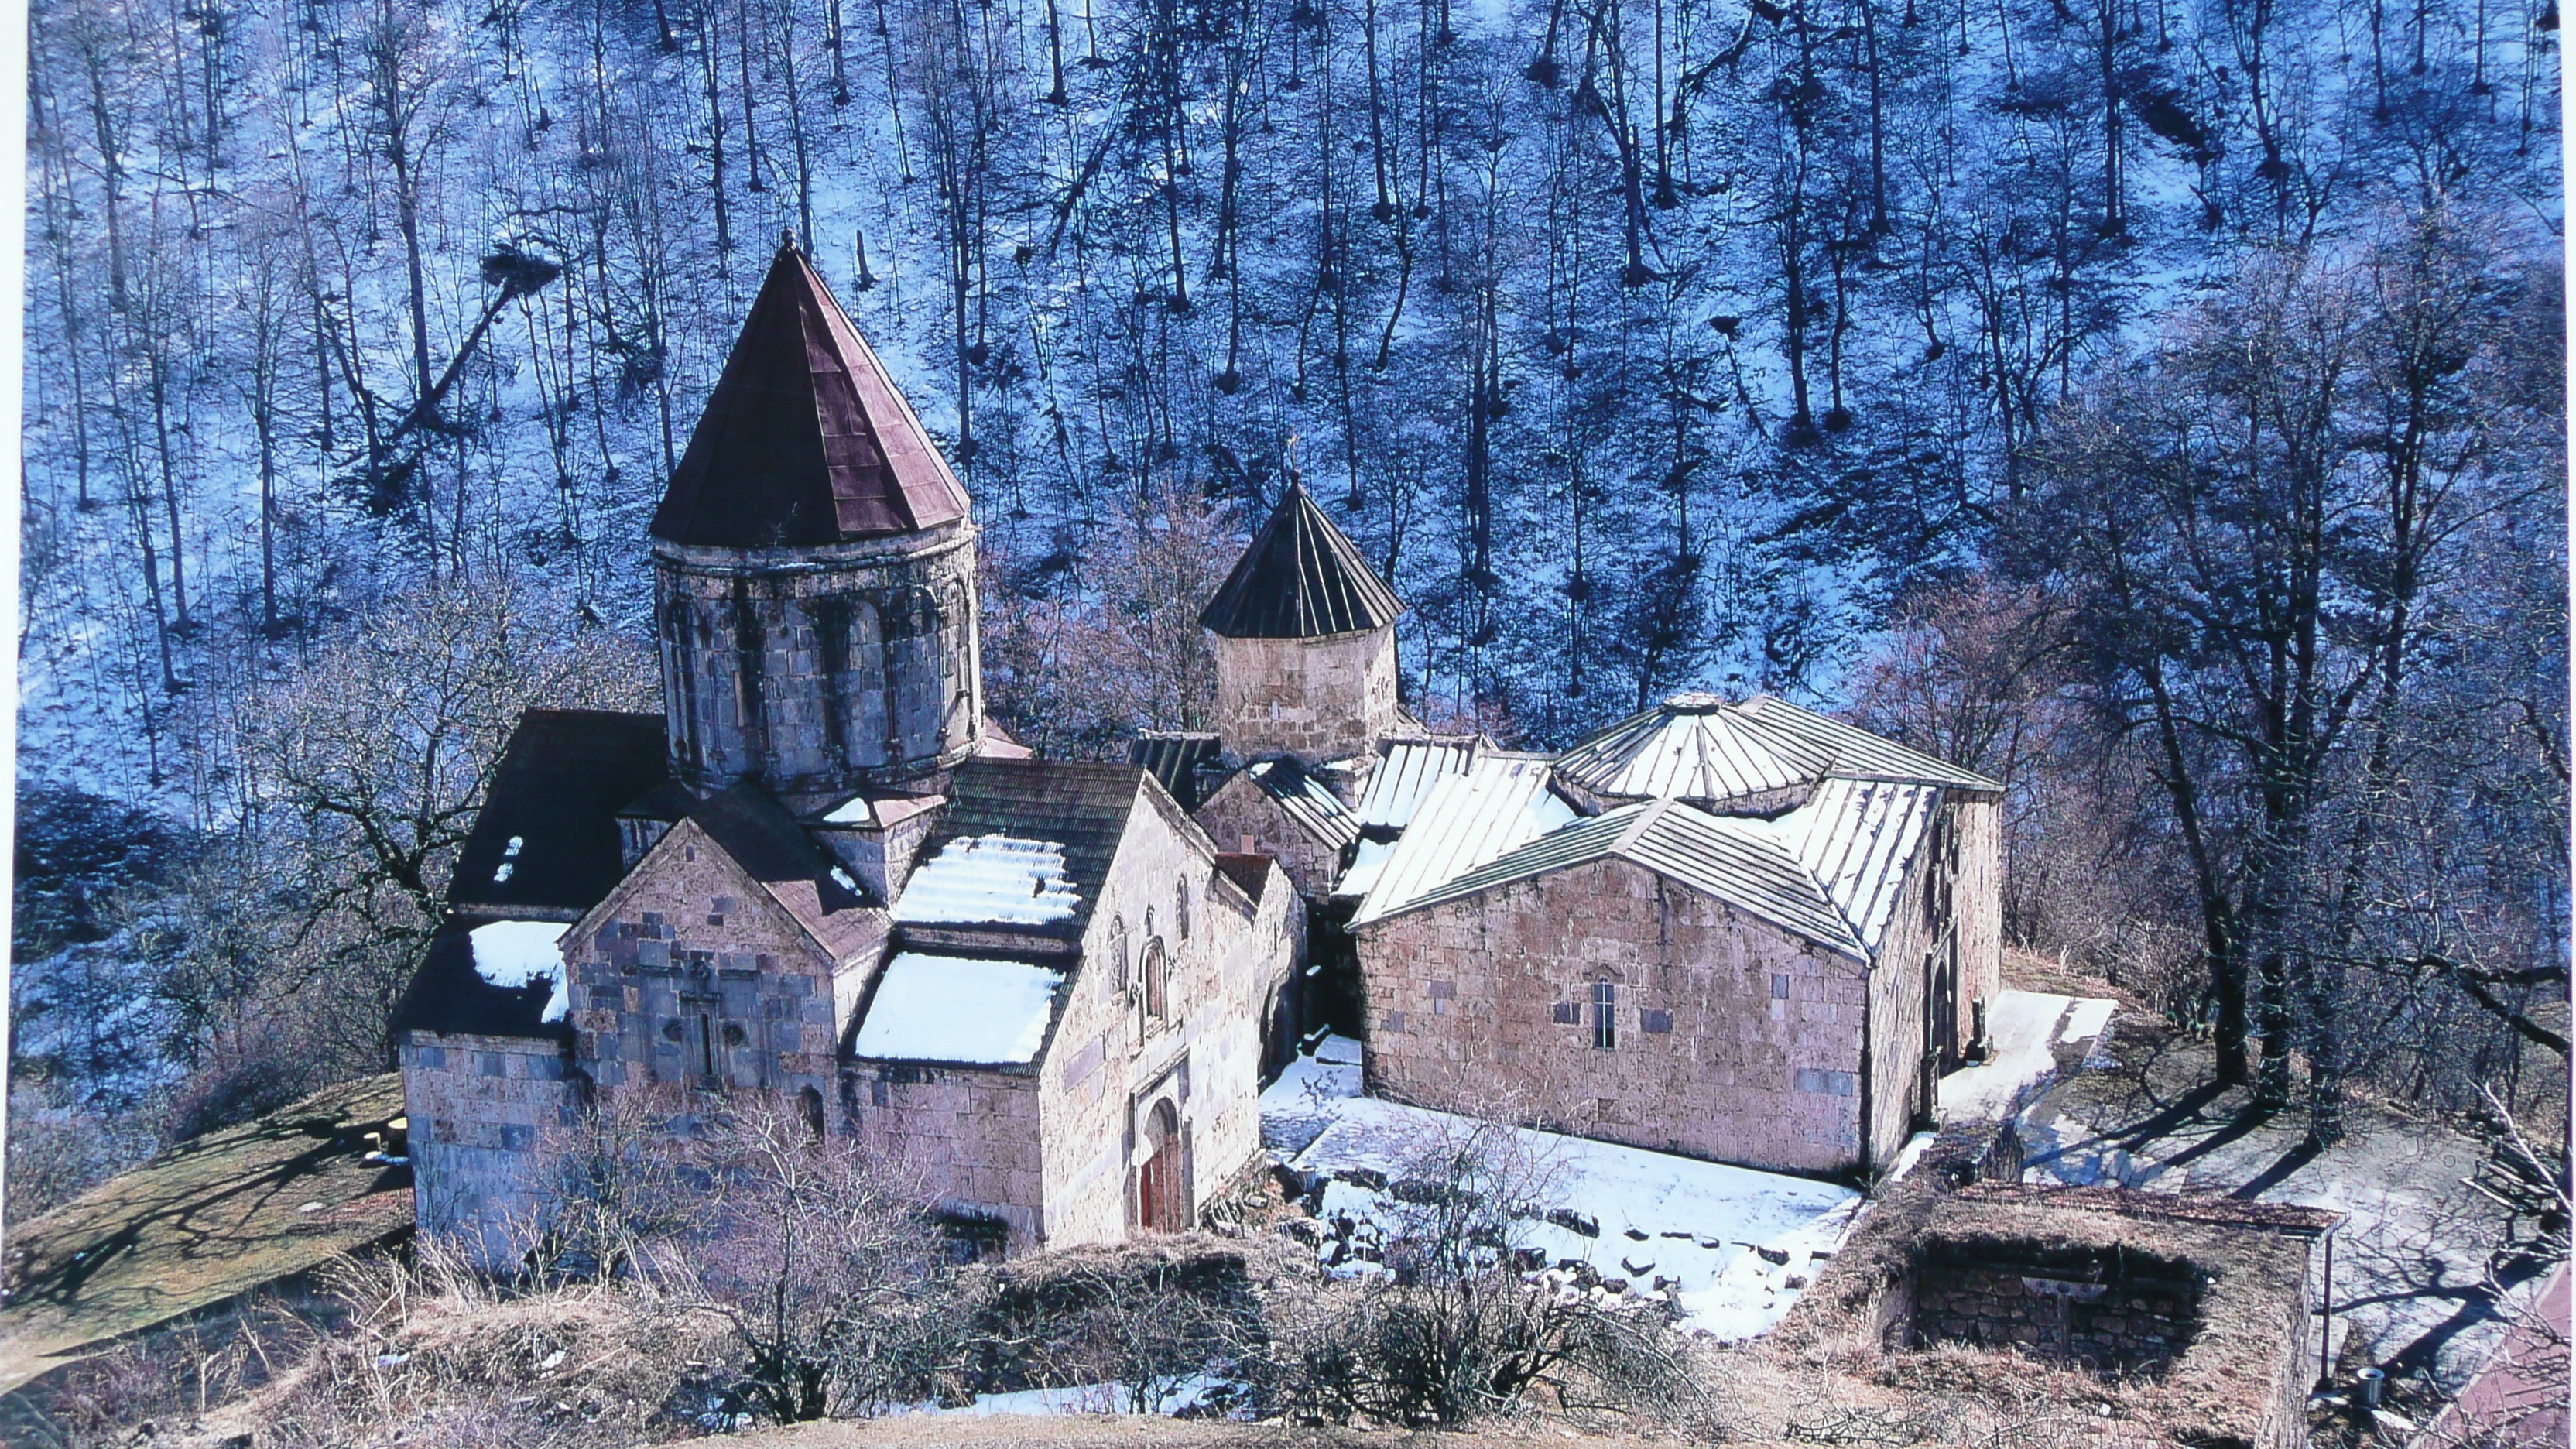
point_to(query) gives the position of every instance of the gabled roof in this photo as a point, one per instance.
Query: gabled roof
(1397, 787)
(1174, 757)
(776, 853)
(1306, 800)
(1860, 755)
(1741, 862)
(1300, 578)
(562, 780)
(1081, 807)
(805, 440)
(448, 995)
(1857, 837)
(1710, 751)
(1502, 802)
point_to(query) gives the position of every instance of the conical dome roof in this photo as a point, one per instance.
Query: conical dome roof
(1300, 578)
(805, 440)
(1695, 747)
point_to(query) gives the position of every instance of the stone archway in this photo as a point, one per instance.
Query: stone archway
(1162, 1197)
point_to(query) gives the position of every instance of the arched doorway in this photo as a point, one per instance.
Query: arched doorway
(1162, 1199)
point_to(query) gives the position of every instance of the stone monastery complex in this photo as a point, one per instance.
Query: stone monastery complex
(1731, 929)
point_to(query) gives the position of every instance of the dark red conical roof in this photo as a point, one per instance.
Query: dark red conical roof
(805, 440)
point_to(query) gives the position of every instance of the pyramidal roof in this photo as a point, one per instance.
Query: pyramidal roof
(1709, 750)
(1300, 578)
(805, 440)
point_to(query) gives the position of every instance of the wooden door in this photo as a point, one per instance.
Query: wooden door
(1161, 1201)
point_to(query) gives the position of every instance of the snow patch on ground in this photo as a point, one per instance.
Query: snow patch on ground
(1102, 1398)
(2027, 1027)
(980, 879)
(958, 1009)
(1730, 1246)
(508, 953)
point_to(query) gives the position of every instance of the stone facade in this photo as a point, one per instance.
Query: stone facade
(1241, 816)
(691, 973)
(1323, 698)
(822, 669)
(1730, 1038)
(479, 1107)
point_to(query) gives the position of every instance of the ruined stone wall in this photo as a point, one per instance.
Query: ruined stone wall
(2112, 1315)
(1736, 1040)
(1979, 898)
(478, 1106)
(1110, 1062)
(1320, 699)
(1241, 811)
(821, 669)
(689, 962)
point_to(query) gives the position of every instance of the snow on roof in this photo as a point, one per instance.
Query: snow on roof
(853, 811)
(1305, 799)
(992, 879)
(1500, 804)
(507, 953)
(1366, 864)
(958, 1009)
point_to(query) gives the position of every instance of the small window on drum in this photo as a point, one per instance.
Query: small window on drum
(1605, 1016)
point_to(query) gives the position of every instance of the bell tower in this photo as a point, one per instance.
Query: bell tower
(1305, 641)
(814, 569)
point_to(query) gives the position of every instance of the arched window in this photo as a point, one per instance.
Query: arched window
(1157, 1004)
(809, 1103)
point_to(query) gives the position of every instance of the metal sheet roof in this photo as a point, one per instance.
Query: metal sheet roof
(1174, 757)
(1308, 801)
(1499, 804)
(1300, 578)
(1744, 863)
(1411, 767)
(1693, 747)
(1857, 838)
(1861, 755)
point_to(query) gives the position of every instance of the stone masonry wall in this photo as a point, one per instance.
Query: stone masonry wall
(1901, 1076)
(1979, 894)
(820, 670)
(478, 1106)
(1110, 1063)
(1735, 1040)
(1241, 811)
(1320, 699)
(2112, 1318)
(972, 1135)
(690, 960)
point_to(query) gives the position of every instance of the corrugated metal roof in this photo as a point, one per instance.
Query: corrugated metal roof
(1174, 757)
(1857, 838)
(1501, 803)
(1741, 862)
(1865, 756)
(1693, 747)
(1401, 780)
(1308, 801)
(1300, 578)
(805, 439)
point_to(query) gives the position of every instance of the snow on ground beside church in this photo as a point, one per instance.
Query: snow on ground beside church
(958, 1009)
(2028, 1028)
(1732, 1246)
(507, 953)
(981, 879)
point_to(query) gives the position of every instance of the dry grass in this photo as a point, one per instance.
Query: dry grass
(201, 1225)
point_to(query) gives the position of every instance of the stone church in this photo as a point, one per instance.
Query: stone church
(821, 872)
(1734, 929)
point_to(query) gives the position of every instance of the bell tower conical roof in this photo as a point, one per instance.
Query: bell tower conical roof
(805, 440)
(1300, 578)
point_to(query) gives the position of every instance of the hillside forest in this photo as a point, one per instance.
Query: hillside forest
(2155, 403)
